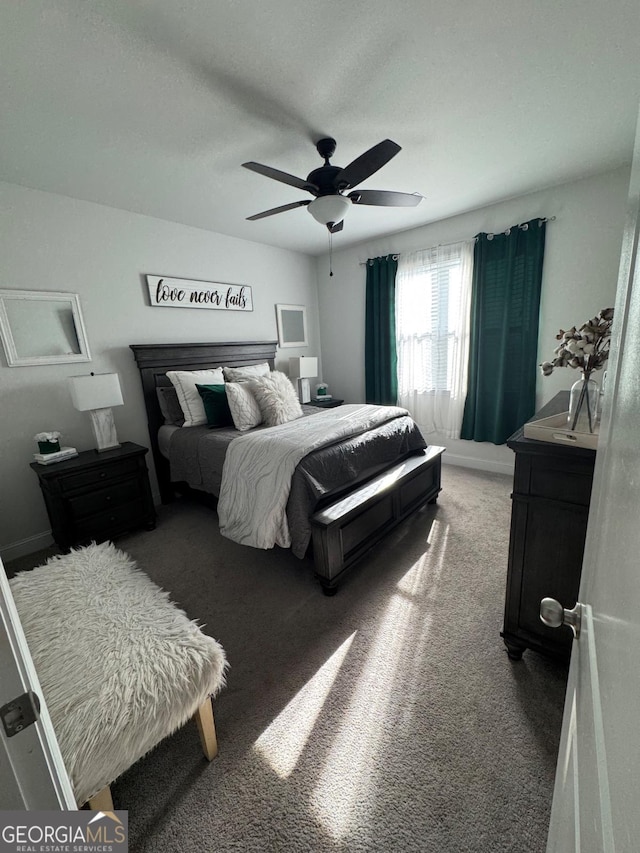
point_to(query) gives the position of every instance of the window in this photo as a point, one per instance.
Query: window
(433, 291)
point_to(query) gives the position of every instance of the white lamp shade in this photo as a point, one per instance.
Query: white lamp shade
(95, 391)
(303, 367)
(329, 208)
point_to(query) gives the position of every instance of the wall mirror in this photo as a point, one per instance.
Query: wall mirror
(42, 327)
(292, 325)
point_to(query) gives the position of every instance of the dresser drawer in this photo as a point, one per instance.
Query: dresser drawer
(569, 482)
(104, 500)
(94, 476)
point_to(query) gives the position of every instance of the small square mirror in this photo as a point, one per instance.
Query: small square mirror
(42, 327)
(292, 325)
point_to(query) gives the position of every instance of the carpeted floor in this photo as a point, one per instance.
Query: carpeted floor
(387, 718)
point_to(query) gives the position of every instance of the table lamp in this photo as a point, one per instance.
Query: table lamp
(303, 368)
(96, 394)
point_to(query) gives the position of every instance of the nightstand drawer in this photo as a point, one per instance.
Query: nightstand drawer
(104, 500)
(95, 476)
(105, 524)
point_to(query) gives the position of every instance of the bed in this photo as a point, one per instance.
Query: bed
(344, 497)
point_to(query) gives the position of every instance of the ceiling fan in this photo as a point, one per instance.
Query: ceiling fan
(329, 185)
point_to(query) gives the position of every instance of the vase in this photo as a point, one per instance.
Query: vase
(583, 404)
(48, 446)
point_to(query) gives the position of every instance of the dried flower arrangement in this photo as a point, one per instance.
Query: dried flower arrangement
(53, 435)
(586, 348)
(48, 442)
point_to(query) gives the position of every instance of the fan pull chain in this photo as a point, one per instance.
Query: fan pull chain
(330, 253)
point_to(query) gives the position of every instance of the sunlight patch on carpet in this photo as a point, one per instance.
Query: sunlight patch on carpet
(345, 791)
(425, 573)
(382, 704)
(282, 742)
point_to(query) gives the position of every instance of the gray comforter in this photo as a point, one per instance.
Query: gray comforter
(197, 458)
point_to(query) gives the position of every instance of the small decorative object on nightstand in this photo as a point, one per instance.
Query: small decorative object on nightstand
(97, 496)
(48, 442)
(49, 450)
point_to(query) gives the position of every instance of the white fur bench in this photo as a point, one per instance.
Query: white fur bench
(120, 666)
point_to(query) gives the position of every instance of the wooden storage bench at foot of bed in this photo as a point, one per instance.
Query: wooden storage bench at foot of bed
(346, 530)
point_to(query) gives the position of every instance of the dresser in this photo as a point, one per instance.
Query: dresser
(97, 496)
(549, 512)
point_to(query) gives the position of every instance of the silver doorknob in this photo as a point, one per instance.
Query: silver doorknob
(553, 614)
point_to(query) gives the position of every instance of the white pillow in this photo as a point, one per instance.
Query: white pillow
(184, 381)
(251, 371)
(245, 411)
(277, 399)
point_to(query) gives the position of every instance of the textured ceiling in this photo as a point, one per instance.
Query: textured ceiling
(151, 106)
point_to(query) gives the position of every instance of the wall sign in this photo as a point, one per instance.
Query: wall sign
(185, 293)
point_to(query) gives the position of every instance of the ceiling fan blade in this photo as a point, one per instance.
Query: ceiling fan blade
(281, 209)
(283, 177)
(385, 198)
(366, 164)
(335, 227)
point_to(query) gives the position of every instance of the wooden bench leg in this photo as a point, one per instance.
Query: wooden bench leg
(102, 801)
(207, 729)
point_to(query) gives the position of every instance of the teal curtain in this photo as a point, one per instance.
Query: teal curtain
(505, 307)
(380, 359)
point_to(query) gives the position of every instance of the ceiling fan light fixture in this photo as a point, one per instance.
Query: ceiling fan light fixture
(329, 184)
(329, 208)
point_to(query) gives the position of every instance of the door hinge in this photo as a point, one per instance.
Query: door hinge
(20, 713)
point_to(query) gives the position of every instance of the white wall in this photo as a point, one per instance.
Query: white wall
(582, 253)
(51, 242)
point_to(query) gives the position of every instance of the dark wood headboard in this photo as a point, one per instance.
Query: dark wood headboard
(154, 360)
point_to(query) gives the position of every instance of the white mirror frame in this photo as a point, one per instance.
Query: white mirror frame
(72, 300)
(284, 337)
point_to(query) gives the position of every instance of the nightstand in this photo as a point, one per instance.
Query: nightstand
(97, 496)
(326, 404)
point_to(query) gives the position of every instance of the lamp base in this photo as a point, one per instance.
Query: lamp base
(104, 429)
(304, 391)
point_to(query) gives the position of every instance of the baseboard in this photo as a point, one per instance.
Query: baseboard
(490, 465)
(26, 546)
(39, 541)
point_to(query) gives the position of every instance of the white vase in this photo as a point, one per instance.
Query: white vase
(583, 404)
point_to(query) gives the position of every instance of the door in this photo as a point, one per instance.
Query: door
(595, 801)
(32, 773)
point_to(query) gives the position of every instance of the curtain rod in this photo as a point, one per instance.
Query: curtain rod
(490, 235)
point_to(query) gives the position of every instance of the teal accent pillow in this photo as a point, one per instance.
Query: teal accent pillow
(216, 405)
